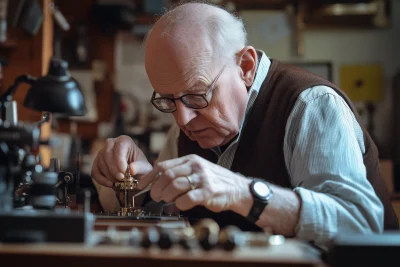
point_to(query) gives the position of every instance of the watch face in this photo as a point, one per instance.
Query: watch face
(261, 189)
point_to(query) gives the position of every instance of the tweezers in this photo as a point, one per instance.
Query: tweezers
(146, 189)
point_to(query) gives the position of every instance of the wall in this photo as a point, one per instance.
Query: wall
(102, 50)
(29, 54)
(339, 47)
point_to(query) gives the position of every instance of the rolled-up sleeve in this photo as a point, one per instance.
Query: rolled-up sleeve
(324, 156)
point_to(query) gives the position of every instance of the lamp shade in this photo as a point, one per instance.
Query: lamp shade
(57, 92)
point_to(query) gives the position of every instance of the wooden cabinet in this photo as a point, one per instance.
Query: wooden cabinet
(27, 54)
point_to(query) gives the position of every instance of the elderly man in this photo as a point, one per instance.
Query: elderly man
(257, 143)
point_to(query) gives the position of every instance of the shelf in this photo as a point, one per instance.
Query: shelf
(9, 44)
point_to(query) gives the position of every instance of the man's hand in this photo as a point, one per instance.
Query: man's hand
(111, 162)
(209, 185)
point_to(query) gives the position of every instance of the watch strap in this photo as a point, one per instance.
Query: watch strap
(258, 204)
(256, 210)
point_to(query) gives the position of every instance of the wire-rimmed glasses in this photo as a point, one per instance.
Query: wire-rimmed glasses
(193, 101)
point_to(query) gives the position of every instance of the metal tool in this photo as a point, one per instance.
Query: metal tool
(146, 189)
(126, 179)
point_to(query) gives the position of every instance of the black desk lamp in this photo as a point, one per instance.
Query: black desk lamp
(57, 92)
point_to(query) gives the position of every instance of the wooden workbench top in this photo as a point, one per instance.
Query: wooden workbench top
(291, 253)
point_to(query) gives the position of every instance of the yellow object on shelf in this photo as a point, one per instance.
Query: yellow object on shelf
(362, 82)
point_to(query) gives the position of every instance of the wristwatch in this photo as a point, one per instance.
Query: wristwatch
(262, 193)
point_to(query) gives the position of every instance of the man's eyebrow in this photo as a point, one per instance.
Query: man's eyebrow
(198, 86)
(165, 95)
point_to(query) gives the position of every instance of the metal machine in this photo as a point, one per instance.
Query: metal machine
(29, 192)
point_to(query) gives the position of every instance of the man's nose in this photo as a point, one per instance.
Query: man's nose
(183, 115)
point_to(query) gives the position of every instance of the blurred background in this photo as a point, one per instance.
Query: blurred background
(353, 43)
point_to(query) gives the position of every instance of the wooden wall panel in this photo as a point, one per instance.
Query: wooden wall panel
(19, 60)
(29, 54)
(101, 48)
(43, 52)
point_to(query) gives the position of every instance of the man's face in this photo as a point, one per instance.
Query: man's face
(220, 121)
(175, 67)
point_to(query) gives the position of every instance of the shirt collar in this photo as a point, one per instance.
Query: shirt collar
(263, 66)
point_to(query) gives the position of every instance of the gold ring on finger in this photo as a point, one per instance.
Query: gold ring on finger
(192, 185)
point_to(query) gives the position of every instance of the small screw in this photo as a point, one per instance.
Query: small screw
(67, 178)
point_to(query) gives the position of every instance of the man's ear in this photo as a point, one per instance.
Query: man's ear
(247, 60)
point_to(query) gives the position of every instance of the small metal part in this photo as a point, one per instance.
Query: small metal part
(276, 240)
(207, 231)
(59, 18)
(127, 172)
(111, 237)
(131, 211)
(257, 239)
(231, 237)
(123, 212)
(126, 179)
(135, 237)
(45, 118)
(128, 183)
(54, 165)
(78, 178)
(151, 237)
(66, 198)
(126, 198)
(167, 239)
(146, 189)
(67, 178)
(41, 194)
(87, 201)
(188, 239)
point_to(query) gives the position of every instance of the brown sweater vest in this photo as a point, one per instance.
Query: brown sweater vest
(260, 150)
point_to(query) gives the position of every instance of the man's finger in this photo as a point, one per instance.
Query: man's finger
(159, 168)
(175, 189)
(140, 167)
(168, 164)
(158, 186)
(146, 179)
(109, 158)
(184, 169)
(190, 199)
(103, 168)
(104, 181)
(122, 148)
(167, 177)
(98, 177)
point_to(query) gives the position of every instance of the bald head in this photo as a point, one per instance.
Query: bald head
(197, 52)
(189, 39)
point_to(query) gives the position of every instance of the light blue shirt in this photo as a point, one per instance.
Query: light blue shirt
(323, 149)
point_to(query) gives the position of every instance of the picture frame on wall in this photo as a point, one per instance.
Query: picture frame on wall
(322, 69)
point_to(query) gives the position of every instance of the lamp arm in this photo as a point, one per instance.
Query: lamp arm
(8, 95)
(45, 118)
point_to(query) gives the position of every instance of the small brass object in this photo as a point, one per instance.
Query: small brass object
(131, 211)
(127, 184)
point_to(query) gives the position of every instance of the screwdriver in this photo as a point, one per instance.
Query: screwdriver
(127, 176)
